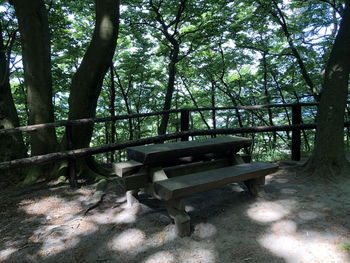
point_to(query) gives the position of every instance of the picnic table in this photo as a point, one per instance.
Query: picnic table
(172, 171)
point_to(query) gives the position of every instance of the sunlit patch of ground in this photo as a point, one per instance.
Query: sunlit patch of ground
(285, 240)
(294, 222)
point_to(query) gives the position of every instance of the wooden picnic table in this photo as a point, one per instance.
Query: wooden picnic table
(161, 153)
(172, 171)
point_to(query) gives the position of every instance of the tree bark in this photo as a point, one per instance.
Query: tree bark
(195, 103)
(173, 57)
(125, 94)
(170, 88)
(112, 110)
(87, 81)
(36, 53)
(328, 159)
(11, 145)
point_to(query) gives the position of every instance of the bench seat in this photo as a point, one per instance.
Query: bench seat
(180, 186)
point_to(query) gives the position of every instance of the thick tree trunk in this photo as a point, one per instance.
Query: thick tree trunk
(36, 53)
(11, 145)
(87, 82)
(328, 158)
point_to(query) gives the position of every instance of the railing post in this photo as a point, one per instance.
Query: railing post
(72, 175)
(185, 123)
(296, 134)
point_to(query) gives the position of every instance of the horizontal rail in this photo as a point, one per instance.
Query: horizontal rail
(79, 153)
(86, 121)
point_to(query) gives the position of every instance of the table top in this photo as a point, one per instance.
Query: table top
(157, 153)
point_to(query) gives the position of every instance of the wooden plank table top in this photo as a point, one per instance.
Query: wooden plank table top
(158, 153)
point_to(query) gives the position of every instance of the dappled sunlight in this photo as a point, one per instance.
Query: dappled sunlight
(284, 227)
(128, 240)
(6, 253)
(296, 247)
(288, 191)
(120, 215)
(197, 252)
(158, 239)
(336, 69)
(134, 241)
(289, 224)
(281, 180)
(126, 216)
(302, 222)
(161, 257)
(265, 211)
(204, 230)
(307, 215)
(106, 28)
(51, 207)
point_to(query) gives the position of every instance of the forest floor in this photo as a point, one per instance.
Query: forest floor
(295, 221)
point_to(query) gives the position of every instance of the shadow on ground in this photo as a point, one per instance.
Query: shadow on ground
(295, 221)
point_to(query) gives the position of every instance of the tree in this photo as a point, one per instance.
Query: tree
(36, 53)
(87, 81)
(11, 145)
(174, 42)
(278, 15)
(328, 158)
(236, 50)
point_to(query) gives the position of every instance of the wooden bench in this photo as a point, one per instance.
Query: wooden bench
(172, 171)
(194, 183)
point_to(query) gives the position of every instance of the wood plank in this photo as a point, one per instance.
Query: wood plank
(177, 187)
(157, 153)
(196, 167)
(126, 168)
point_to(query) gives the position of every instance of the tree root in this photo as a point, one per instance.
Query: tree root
(33, 173)
(98, 196)
(327, 173)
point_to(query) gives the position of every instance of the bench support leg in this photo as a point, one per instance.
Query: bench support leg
(176, 210)
(131, 197)
(255, 185)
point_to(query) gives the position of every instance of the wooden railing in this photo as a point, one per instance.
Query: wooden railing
(72, 154)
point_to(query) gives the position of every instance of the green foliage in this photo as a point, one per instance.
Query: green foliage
(235, 52)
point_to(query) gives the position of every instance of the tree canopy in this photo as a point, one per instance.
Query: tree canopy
(79, 59)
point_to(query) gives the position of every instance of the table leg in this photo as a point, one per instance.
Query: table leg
(176, 210)
(131, 197)
(255, 185)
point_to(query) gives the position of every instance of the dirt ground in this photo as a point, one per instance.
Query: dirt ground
(294, 221)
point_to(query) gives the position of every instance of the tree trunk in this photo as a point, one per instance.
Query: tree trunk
(267, 96)
(11, 145)
(328, 159)
(125, 94)
(112, 110)
(36, 53)
(175, 43)
(213, 103)
(87, 81)
(195, 103)
(170, 87)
